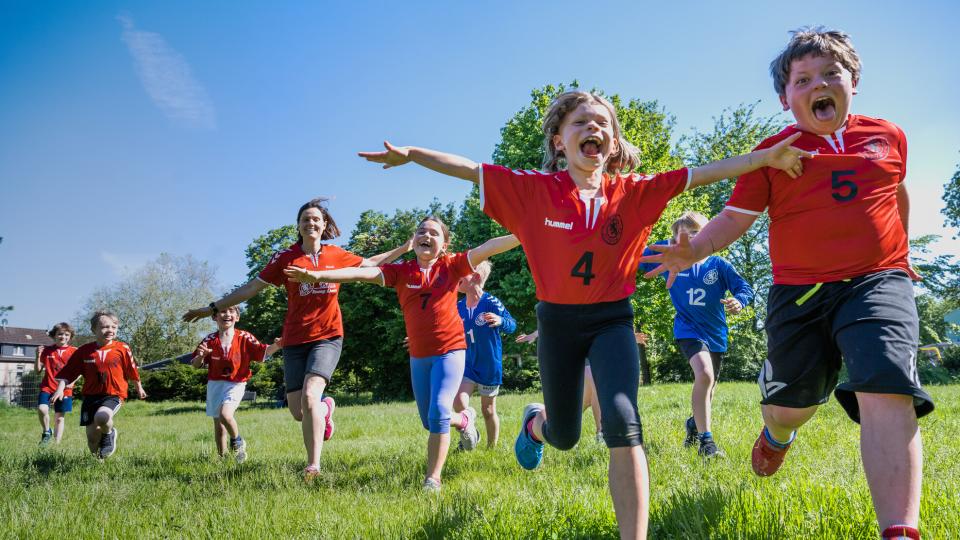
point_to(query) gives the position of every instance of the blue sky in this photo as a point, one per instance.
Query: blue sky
(128, 129)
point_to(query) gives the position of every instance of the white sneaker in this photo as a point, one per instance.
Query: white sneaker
(470, 436)
(431, 486)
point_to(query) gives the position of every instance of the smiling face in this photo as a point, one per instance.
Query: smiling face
(586, 137)
(105, 330)
(227, 318)
(818, 93)
(62, 338)
(311, 224)
(430, 240)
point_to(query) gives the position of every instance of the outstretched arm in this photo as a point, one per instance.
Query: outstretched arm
(388, 256)
(364, 274)
(491, 247)
(903, 207)
(779, 156)
(36, 361)
(448, 164)
(243, 293)
(719, 233)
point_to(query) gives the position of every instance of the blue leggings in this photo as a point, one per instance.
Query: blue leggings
(436, 380)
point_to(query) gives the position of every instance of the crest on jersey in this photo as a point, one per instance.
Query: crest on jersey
(612, 229)
(875, 149)
(479, 320)
(711, 277)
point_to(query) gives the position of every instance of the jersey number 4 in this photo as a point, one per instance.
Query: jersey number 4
(584, 268)
(843, 190)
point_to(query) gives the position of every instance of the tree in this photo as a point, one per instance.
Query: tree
(951, 196)
(3, 314)
(264, 313)
(149, 303)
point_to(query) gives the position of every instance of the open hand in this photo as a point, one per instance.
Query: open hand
(393, 156)
(197, 314)
(787, 158)
(527, 338)
(732, 305)
(492, 319)
(295, 273)
(672, 258)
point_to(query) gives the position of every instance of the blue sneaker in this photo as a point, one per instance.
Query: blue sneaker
(529, 452)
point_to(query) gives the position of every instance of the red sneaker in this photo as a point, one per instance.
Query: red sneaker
(328, 431)
(767, 458)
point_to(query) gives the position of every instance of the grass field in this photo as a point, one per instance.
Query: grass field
(165, 480)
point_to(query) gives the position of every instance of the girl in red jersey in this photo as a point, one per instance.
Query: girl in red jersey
(105, 365)
(427, 291)
(51, 360)
(313, 327)
(227, 354)
(583, 224)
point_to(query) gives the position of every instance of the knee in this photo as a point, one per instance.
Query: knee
(101, 419)
(43, 409)
(489, 411)
(885, 405)
(704, 377)
(565, 442)
(295, 411)
(226, 416)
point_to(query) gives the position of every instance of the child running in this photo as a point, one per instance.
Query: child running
(313, 327)
(427, 290)
(583, 223)
(842, 287)
(484, 319)
(227, 354)
(105, 365)
(51, 360)
(700, 326)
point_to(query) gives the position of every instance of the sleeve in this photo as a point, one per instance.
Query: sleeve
(348, 259)
(254, 350)
(751, 193)
(460, 265)
(504, 193)
(652, 192)
(391, 274)
(737, 286)
(508, 324)
(272, 273)
(71, 370)
(646, 267)
(130, 371)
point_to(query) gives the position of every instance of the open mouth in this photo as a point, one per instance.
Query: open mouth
(590, 146)
(824, 109)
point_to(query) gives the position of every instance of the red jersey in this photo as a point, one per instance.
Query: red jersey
(429, 302)
(52, 360)
(313, 312)
(840, 219)
(105, 370)
(580, 251)
(233, 363)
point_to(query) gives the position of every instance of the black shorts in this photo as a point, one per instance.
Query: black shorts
(870, 322)
(691, 346)
(93, 403)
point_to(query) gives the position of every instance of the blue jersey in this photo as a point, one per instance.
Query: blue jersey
(484, 351)
(696, 295)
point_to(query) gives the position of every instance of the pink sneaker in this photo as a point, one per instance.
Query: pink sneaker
(331, 405)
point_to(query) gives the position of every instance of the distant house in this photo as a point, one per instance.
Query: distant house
(18, 351)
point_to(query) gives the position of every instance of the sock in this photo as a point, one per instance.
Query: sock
(463, 421)
(776, 443)
(530, 432)
(901, 531)
(706, 436)
(235, 440)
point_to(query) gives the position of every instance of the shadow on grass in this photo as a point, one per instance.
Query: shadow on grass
(181, 409)
(54, 463)
(689, 515)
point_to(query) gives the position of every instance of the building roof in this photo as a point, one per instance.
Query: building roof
(11, 335)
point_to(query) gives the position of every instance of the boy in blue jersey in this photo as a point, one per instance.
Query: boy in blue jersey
(700, 326)
(484, 319)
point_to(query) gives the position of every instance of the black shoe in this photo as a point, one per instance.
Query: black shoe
(108, 444)
(47, 436)
(692, 435)
(709, 449)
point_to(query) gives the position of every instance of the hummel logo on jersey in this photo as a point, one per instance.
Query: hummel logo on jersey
(558, 224)
(414, 286)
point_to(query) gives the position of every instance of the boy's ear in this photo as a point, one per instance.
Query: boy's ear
(558, 143)
(783, 101)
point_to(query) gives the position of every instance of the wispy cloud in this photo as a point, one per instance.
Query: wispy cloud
(124, 264)
(166, 77)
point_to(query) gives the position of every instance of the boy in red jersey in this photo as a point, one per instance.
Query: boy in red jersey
(857, 304)
(51, 360)
(106, 366)
(427, 291)
(227, 353)
(583, 223)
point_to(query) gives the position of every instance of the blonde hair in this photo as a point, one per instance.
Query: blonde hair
(817, 41)
(692, 221)
(235, 309)
(626, 158)
(483, 270)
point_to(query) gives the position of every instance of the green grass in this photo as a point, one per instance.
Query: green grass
(166, 481)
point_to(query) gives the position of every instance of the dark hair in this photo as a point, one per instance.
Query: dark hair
(330, 230)
(818, 41)
(61, 326)
(96, 318)
(235, 309)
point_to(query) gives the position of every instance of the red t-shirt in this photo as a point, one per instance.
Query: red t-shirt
(52, 360)
(105, 370)
(233, 364)
(579, 251)
(313, 312)
(840, 219)
(429, 302)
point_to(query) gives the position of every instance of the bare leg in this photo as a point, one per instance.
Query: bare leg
(704, 381)
(220, 436)
(462, 401)
(314, 417)
(101, 425)
(781, 422)
(892, 457)
(58, 423)
(437, 446)
(594, 399)
(229, 420)
(630, 489)
(490, 418)
(43, 413)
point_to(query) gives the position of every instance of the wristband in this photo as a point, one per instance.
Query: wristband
(213, 307)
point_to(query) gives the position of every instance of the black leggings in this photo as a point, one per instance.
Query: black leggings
(569, 334)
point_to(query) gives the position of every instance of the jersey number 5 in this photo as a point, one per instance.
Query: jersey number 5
(584, 268)
(838, 185)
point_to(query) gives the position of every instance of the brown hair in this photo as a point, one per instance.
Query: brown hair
(61, 326)
(626, 158)
(330, 230)
(443, 227)
(817, 41)
(235, 309)
(689, 220)
(96, 318)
